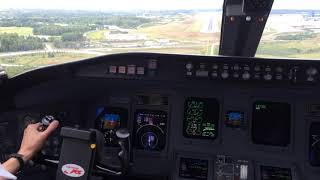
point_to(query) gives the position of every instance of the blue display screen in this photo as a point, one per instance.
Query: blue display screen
(108, 120)
(234, 119)
(111, 117)
(235, 116)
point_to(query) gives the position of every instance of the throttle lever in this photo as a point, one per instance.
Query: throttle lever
(125, 153)
(45, 122)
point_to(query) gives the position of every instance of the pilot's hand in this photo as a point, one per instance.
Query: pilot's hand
(33, 139)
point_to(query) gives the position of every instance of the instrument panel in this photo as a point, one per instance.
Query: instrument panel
(190, 117)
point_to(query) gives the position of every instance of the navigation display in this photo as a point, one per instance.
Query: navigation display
(271, 123)
(275, 173)
(193, 168)
(201, 117)
(150, 127)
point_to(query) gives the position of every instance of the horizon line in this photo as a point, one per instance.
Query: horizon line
(122, 10)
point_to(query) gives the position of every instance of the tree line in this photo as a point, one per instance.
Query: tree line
(57, 30)
(41, 20)
(14, 42)
(66, 28)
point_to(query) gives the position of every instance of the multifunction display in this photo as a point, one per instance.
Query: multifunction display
(201, 117)
(193, 168)
(271, 123)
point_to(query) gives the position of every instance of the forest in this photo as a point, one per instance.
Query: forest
(63, 29)
(14, 42)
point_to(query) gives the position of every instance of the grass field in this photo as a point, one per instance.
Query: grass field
(97, 35)
(29, 62)
(309, 48)
(182, 30)
(22, 31)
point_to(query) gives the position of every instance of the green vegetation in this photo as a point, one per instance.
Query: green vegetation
(56, 30)
(29, 62)
(309, 48)
(98, 35)
(296, 36)
(13, 71)
(72, 36)
(195, 50)
(125, 21)
(14, 42)
(64, 43)
(89, 19)
(21, 31)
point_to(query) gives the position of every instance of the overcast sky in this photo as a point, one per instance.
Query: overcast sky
(142, 4)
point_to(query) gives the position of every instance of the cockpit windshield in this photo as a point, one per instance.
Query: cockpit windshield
(39, 33)
(292, 30)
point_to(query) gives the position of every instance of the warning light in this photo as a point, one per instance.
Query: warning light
(93, 146)
(232, 18)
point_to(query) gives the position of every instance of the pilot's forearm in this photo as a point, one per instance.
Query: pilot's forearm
(11, 165)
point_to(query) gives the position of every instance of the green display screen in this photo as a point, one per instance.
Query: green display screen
(201, 117)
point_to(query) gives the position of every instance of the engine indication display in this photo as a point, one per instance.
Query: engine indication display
(201, 116)
(193, 168)
(275, 173)
(271, 123)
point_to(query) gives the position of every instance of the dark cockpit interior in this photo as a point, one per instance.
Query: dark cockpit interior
(178, 117)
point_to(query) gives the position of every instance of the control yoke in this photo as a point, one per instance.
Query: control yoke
(82, 150)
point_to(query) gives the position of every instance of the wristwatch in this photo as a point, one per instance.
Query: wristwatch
(19, 157)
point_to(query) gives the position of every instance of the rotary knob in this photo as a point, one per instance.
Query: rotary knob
(312, 71)
(225, 75)
(189, 66)
(279, 69)
(267, 77)
(246, 76)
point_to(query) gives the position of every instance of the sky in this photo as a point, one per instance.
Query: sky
(142, 4)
